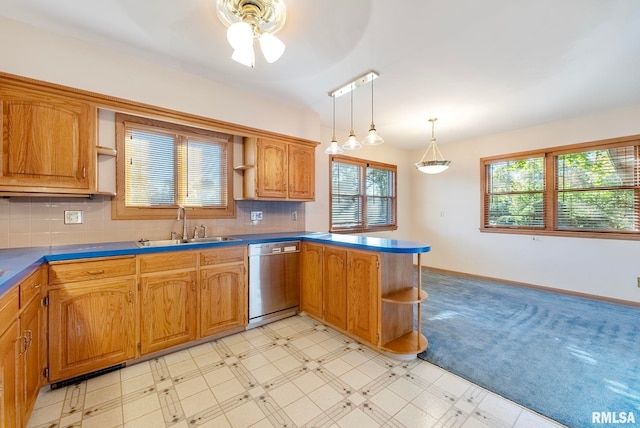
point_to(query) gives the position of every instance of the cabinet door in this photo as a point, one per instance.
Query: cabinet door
(31, 368)
(8, 376)
(271, 169)
(311, 278)
(362, 295)
(223, 299)
(301, 169)
(91, 326)
(47, 141)
(167, 310)
(335, 286)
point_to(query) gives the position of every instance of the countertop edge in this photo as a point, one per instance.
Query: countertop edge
(25, 260)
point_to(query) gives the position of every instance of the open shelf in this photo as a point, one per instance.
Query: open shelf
(413, 342)
(407, 296)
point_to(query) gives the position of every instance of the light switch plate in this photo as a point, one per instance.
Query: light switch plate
(256, 215)
(73, 217)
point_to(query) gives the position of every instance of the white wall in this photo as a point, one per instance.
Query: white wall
(31, 52)
(447, 215)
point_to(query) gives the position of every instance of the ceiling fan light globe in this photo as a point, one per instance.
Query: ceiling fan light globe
(240, 35)
(271, 46)
(245, 56)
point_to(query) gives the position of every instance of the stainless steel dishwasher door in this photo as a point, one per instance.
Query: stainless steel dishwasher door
(274, 281)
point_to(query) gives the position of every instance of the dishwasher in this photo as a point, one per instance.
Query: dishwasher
(274, 281)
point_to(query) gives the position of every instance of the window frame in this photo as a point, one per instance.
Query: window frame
(119, 209)
(550, 190)
(363, 164)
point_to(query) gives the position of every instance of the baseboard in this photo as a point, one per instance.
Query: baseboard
(537, 287)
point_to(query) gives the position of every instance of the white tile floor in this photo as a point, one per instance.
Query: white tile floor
(294, 372)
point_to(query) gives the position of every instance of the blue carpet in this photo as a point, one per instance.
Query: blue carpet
(561, 356)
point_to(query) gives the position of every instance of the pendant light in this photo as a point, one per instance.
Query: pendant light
(436, 163)
(352, 143)
(334, 148)
(372, 139)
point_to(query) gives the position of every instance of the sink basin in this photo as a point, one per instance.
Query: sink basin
(159, 242)
(170, 242)
(213, 239)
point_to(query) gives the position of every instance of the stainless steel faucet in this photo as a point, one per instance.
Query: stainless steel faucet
(184, 221)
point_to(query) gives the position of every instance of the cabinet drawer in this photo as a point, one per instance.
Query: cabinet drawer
(162, 262)
(223, 255)
(83, 270)
(32, 286)
(9, 305)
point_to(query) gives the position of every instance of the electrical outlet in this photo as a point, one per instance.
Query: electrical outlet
(294, 215)
(639, 282)
(256, 215)
(73, 217)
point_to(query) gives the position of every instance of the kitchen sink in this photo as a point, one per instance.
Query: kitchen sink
(171, 242)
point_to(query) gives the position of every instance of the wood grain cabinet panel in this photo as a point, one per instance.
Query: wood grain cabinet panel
(91, 326)
(335, 286)
(48, 143)
(32, 321)
(363, 294)
(278, 170)
(9, 415)
(167, 310)
(311, 295)
(223, 299)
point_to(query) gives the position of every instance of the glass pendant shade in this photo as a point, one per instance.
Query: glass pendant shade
(271, 46)
(432, 161)
(372, 139)
(352, 143)
(334, 148)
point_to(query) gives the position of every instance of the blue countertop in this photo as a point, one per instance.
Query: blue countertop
(16, 264)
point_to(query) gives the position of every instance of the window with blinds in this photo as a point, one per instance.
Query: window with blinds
(362, 194)
(166, 165)
(590, 189)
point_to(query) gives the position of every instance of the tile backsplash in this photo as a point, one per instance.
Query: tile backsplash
(39, 221)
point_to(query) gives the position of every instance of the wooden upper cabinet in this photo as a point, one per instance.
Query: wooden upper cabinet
(48, 143)
(302, 161)
(278, 170)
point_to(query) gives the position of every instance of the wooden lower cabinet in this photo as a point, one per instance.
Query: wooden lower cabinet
(335, 286)
(363, 295)
(167, 310)
(31, 362)
(9, 415)
(223, 290)
(311, 269)
(341, 286)
(91, 326)
(223, 299)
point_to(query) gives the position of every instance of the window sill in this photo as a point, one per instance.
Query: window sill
(629, 236)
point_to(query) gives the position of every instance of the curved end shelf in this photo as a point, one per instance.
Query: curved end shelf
(407, 296)
(410, 343)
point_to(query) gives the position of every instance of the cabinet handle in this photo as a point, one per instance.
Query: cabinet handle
(130, 296)
(23, 346)
(95, 272)
(36, 286)
(84, 172)
(193, 286)
(29, 338)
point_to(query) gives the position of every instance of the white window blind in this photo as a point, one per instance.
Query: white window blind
(362, 195)
(165, 169)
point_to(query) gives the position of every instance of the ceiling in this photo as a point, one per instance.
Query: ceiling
(480, 67)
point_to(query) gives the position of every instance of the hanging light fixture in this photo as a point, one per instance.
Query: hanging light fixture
(372, 139)
(247, 20)
(334, 148)
(351, 143)
(436, 162)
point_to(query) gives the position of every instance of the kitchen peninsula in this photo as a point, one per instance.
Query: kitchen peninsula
(112, 304)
